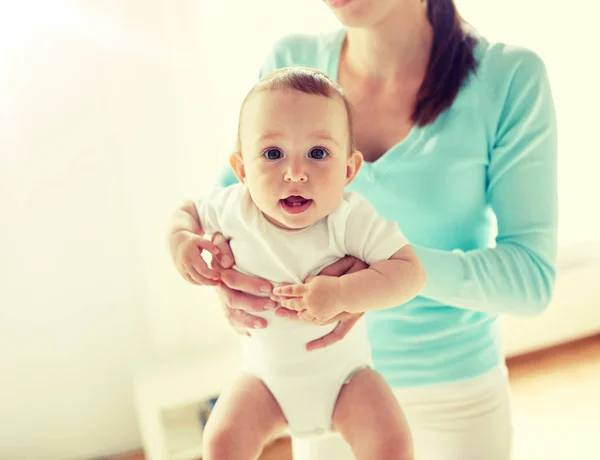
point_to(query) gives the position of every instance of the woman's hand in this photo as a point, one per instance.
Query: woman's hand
(236, 291)
(346, 321)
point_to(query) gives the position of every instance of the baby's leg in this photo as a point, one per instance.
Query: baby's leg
(243, 420)
(370, 419)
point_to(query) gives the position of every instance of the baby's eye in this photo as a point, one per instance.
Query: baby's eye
(317, 153)
(272, 154)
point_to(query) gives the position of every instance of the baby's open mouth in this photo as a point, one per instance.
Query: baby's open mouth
(295, 200)
(295, 204)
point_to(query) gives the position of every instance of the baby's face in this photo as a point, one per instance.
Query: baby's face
(296, 155)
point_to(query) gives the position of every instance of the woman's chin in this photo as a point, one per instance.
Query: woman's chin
(337, 4)
(348, 12)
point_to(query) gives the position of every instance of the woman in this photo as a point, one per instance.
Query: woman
(459, 140)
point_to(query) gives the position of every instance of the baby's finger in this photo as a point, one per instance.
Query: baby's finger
(208, 246)
(294, 290)
(293, 304)
(277, 298)
(304, 315)
(222, 244)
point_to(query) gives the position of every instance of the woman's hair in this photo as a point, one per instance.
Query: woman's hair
(451, 61)
(305, 80)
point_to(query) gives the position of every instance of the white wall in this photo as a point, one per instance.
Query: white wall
(110, 113)
(104, 123)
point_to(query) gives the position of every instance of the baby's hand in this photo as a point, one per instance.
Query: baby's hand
(186, 250)
(317, 300)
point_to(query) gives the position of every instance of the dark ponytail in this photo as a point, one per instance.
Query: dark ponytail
(451, 61)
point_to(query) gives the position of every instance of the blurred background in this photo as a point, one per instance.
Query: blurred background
(111, 113)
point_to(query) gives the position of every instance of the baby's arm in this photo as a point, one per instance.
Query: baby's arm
(384, 284)
(186, 219)
(390, 280)
(395, 274)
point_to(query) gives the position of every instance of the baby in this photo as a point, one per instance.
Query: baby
(287, 219)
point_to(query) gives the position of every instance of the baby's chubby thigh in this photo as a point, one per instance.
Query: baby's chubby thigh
(370, 419)
(306, 384)
(368, 424)
(244, 418)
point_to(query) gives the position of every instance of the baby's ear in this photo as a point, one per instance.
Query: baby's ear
(237, 164)
(355, 161)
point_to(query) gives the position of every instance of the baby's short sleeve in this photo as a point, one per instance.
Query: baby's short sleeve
(212, 208)
(369, 236)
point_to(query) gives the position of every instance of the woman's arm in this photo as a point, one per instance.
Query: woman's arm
(517, 276)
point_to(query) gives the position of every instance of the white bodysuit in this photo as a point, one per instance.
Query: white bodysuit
(305, 384)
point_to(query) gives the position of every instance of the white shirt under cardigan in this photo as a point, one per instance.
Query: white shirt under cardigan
(305, 384)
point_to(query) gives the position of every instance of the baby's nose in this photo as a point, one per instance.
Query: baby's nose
(296, 172)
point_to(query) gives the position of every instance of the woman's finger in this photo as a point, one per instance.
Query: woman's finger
(238, 300)
(357, 265)
(199, 266)
(339, 267)
(337, 318)
(241, 282)
(334, 336)
(226, 258)
(239, 319)
(189, 279)
(286, 313)
(196, 278)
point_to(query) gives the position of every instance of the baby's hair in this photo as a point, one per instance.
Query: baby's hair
(303, 79)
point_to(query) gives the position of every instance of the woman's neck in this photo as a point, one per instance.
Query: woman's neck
(396, 48)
